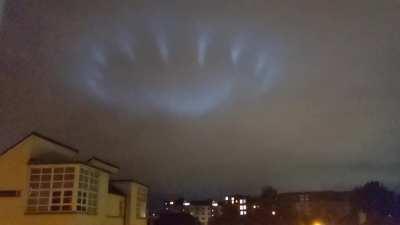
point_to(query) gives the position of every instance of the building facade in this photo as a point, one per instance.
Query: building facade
(43, 182)
(331, 206)
(202, 210)
(239, 201)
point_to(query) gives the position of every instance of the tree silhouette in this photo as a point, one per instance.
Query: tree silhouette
(374, 199)
(269, 193)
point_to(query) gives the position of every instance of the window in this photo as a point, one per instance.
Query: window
(304, 198)
(141, 205)
(10, 193)
(50, 189)
(88, 191)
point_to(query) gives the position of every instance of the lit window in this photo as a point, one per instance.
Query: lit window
(254, 206)
(214, 203)
(226, 198)
(186, 203)
(273, 213)
(171, 202)
(50, 189)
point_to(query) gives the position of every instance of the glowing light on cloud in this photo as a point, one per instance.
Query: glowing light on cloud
(235, 52)
(265, 71)
(126, 44)
(236, 49)
(192, 102)
(202, 44)
(98, 55)
(162, 46)
(260, 64)
(94, 81)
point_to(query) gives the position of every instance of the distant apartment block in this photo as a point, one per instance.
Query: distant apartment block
(240, 201)
(323, 204)
(202, 210)
(329, 205)
(42, 182)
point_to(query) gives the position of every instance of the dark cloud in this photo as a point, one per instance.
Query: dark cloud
(209, 97)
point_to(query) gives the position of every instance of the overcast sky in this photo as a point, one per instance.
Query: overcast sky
(207, 97)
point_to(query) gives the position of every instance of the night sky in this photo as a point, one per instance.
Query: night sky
(207, 97)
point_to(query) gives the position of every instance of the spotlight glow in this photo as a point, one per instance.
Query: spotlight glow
(202, 44)
(162, 47)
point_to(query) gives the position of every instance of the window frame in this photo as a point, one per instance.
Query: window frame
(44, 196)
(88, 190)
(63, 199)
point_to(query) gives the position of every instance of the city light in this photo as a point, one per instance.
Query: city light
(214, 203)
(274, 213)
(171, 202)
(186, 203)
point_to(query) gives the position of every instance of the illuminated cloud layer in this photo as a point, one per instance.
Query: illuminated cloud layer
(181, 68)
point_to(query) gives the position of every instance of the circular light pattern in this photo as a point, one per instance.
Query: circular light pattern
(177, 67)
